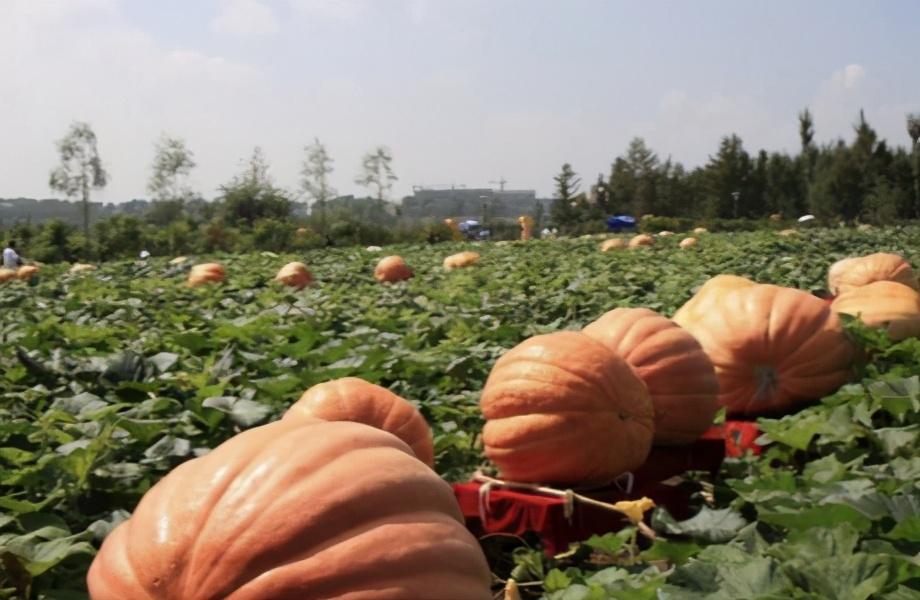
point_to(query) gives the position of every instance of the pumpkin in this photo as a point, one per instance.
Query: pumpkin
(295, 275)
(562, 408)
(178, 260)
(641, 240)
(776, 217)
(206, 273)
(613, 244)
(301, 231)
(679, 376)
(295, 510)
(700, 230)
(849, 273)
(7, 274)
(883, 304)
(704, 298)
(26, 271)
(461, 260)
(787, 232)
(773, 348)
(689, 242)
(665, 233)
(82, 268)
(391, 269)
(353, 399)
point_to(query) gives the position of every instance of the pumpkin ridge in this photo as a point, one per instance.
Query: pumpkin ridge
(593, 408)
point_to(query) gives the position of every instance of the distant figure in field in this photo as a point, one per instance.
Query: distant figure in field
(11, 259)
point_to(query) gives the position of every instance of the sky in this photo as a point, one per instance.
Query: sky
(463, 92)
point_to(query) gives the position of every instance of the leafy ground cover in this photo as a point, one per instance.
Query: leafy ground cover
(111, 378)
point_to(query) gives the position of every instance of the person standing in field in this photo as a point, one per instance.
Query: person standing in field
(11, 259)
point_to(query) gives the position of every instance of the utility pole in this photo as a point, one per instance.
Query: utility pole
(501, 183)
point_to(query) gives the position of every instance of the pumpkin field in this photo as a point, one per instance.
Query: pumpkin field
(111, 377)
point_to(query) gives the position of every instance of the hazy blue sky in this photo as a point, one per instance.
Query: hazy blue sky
(462, 91)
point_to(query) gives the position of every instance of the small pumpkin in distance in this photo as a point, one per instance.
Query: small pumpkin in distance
(561, 408)
(461, 260)
(82, 268)
(699, 230)
(353, 399)
(295, 275)
(888, 304)
(391, 269)
(641, 240)
(679, 376)
(787, 232)
(665, 233)
(689, 242)
(26, 272)
(178, 260)
(295, 510)
(849, 273)
(613, 244)
(773, 348)
(206, 273)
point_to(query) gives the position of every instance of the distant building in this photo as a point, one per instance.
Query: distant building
(471, 203)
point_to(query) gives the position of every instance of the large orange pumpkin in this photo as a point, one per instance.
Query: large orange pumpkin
(702, 301)
(391, 269)
(679, 375)
(773, 348)
(562, 408)
(295, 510)
(206, 273)
(849, 273)
(295, 275)
(353, 399)
(613, 244)
(888, 304)
(461, 260)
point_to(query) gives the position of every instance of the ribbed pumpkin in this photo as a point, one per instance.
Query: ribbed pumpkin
(677, 372)
(7, 274)
(849, 273)
(206, 273)
(613, 244)
(353, 399)
(295, 275)
(641, 240)
(689, 242)
(562, 408)
(26, 271)
(708, 294)
(391, 269)
(295, 510)
(773, 348)
(461, 260)
(888, 304)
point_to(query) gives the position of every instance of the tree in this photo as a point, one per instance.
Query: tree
(172, 164)
(252, 195)
(567, 185)
(913, 130)
(377, 172)
(316, 170)
(634, 179)
(80, 169)
(729, 177)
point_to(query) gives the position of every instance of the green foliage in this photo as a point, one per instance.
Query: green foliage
(111, 378)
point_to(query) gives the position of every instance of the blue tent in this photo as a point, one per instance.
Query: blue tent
(619, 222)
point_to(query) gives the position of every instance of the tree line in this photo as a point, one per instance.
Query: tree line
(864, 180)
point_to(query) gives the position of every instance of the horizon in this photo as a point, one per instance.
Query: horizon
(462, 93)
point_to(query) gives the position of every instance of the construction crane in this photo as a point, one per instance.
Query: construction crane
(501, 183)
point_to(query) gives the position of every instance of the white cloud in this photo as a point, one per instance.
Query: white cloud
(850, 76)
(333, 9)
(245, 18)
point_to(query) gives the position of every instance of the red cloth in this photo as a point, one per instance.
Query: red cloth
(518, 512)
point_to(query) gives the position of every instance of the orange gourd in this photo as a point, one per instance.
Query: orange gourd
(708, 294)
(888, 304)
(679, 376)
(773, 348)
(849, 273)
(295, 275)
(391, 269)
(461, 260)
(562, 408)
(353, 399)
(613, 244)
(689, 242)
(82, 268)
(206, 273)
(641, 240)
(26, 271)
(295, 510)
(7, 274)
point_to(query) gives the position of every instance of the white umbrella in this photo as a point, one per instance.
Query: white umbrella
(806, 218)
